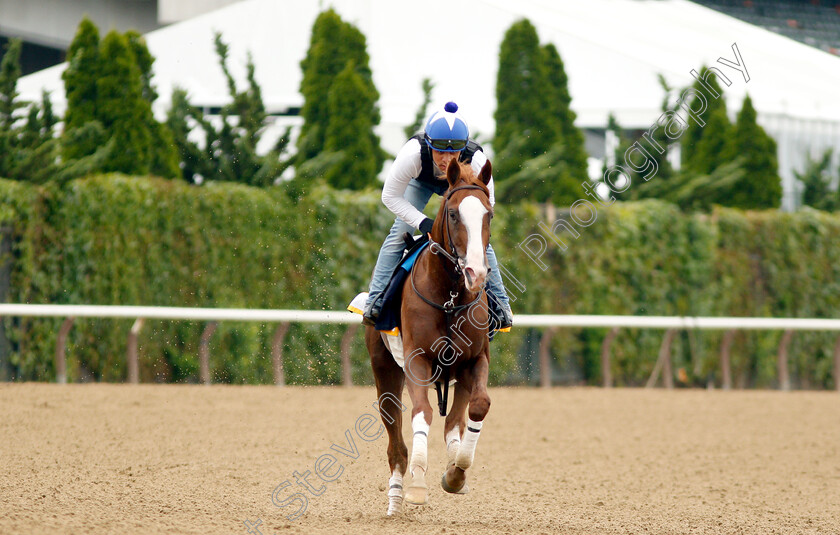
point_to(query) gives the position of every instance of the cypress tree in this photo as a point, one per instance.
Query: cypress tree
(28, 150)
(37, 148)
(144, 60)
(761, 186)
(356, 54)
(708, 151)
(194, 160)
(10, 71)
(243, 121)
(322, 63)
(164, 156)
(690, 139)
(817, 182)
(692, 191)
(121, 108)
(109, 91)
(571, 137)
(536, 138)
(334, 45)
(524, 112)
(349, 104)
(83, 64)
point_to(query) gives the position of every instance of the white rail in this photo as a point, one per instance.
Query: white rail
(179, 313)
(551, 322)
(677, 322)
(341, 317)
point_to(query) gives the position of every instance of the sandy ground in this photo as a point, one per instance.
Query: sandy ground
(195, 459)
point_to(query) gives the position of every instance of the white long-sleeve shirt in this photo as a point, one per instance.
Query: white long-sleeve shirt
(406, 167)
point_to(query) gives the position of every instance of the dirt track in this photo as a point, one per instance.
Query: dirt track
(193, 459)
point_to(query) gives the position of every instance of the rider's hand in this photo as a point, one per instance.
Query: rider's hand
(426, 226)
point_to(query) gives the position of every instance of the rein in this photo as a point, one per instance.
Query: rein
(449, 308)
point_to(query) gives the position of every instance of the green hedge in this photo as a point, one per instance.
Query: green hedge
(137, 241)
(141, 241)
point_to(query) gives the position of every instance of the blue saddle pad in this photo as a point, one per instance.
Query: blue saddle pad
(408, 262)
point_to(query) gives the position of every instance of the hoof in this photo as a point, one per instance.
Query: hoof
(417, 495)
(453, 490)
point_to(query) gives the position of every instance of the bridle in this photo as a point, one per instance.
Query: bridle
(436, 248)
(452, 255)
(449, 308)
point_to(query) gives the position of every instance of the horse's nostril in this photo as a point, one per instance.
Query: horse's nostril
(474, 279)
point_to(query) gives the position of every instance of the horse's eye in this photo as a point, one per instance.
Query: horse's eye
(453, 215)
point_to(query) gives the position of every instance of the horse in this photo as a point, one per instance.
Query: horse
(445, 319)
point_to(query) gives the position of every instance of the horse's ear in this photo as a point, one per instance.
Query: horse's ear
(486, 172)
(453, 172)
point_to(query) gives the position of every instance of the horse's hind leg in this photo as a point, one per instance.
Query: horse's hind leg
(389, 379)
(454, 478)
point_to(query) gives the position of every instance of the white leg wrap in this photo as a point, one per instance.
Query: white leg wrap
(395, 493)
(466, 452)
(453, 441)
(419, 447)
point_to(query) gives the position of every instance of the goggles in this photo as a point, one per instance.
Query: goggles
(447, 144)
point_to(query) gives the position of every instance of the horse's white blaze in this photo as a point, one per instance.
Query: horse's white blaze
(472, 217)
(395, 493)
(419, 446)
(466, 452)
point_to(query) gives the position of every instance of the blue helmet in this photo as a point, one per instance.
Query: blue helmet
(446, 130)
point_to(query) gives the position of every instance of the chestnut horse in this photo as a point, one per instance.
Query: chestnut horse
(445, 335)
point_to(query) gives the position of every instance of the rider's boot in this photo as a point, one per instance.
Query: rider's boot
(501, 316)
(372, 311)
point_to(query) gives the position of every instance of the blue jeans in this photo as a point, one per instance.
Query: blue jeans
(418, 194)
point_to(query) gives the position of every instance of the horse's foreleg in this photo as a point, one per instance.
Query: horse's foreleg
(479, 406)
(454, 479)
(453, 429)
(417, 492)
